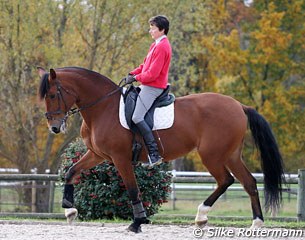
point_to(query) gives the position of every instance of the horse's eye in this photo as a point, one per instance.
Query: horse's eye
(52, 96)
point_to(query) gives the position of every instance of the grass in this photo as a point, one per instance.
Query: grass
(233, 203)
(239, 207)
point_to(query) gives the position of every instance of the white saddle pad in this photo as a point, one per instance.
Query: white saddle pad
(163, 117)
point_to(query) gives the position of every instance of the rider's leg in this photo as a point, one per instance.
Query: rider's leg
(146, 98)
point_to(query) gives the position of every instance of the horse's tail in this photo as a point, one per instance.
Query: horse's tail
(271, 159)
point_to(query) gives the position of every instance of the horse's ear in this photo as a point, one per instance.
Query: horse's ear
(52, 74)
(41, 71)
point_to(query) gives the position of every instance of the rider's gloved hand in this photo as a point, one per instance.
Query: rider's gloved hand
(130, 79)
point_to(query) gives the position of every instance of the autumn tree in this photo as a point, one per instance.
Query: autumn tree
(256, 54)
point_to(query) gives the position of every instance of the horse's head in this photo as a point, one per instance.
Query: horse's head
(58, 100)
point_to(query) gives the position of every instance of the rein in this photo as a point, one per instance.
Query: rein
(76, 110)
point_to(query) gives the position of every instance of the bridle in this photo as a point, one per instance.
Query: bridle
(60, 98)
(68, 112)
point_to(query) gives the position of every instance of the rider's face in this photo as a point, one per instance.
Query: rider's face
(155, 32)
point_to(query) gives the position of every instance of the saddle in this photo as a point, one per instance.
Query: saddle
(130, 98)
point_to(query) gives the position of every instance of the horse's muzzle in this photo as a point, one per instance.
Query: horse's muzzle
(58, 126)
(55, 130)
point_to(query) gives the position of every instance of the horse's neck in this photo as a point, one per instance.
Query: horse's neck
(90, 87)
(92, 91)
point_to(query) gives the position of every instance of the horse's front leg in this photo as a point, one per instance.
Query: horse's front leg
(139, 213)
(126, 171)
(89, 160)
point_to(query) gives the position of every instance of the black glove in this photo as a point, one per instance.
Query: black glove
(130, 79)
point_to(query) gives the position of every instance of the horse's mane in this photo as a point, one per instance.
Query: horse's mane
(44, 85)
(44, 82)
(79, 70)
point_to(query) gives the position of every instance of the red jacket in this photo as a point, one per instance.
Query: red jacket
(154, 70)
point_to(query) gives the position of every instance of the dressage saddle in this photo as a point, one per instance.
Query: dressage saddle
(130, 98)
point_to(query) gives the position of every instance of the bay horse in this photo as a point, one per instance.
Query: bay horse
(213, 124)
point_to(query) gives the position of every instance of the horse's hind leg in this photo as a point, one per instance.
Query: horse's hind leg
(239, 170)
(223, 179)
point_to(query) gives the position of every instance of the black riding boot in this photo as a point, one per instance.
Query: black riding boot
(154, 157)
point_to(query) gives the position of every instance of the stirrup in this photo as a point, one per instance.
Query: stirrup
(150, 164)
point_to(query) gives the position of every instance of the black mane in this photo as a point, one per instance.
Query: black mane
(44, 85)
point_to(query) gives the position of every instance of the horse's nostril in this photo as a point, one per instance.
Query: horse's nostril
(55, 129)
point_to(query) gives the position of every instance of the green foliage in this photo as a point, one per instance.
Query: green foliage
(255, 54)
(100, 192)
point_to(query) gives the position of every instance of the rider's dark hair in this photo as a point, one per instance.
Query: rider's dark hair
(161, 22)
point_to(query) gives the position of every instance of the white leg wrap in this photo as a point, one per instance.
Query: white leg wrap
(71, 214)
(257, 223)
(202, 215)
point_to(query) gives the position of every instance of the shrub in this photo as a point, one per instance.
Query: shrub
(100, 192)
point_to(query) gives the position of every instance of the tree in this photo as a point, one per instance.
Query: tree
(60, 33)
(257, 56)
(22, 141)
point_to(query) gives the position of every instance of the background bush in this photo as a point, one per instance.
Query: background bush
(101, 193)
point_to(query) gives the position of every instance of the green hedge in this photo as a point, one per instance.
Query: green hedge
(100, 192)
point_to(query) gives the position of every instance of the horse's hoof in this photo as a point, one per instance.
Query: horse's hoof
(71, 214)
(142, 220)
(257, 223)
(201, 224)
(202, 215)
(136, 225)
(134, 228)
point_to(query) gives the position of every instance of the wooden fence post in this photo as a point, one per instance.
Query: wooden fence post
(301, 195)
(34, 192)
(51, 196)
(173, 193)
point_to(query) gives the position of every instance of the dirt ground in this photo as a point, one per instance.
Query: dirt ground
(44, 230)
